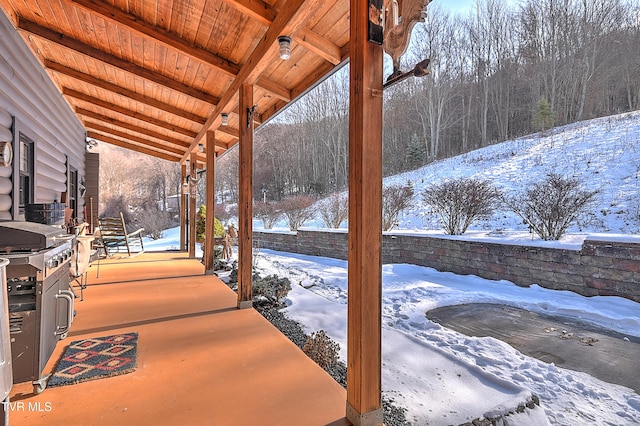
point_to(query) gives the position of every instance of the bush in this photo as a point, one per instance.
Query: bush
(335, 210)
(320, 348)
(152, 219)
(298, 210)
(461, 202)
(272, 287)
(221, 212)
(395, 199)
(113, 206)
(551, 206)
(201, 222)
(268, 213)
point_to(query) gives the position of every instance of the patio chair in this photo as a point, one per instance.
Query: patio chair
(114, 236)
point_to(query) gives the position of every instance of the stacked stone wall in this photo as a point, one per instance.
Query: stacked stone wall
(599, 267)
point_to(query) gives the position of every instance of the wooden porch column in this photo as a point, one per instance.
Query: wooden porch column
(192, 206)
(364, 336)
(183, 210)
(245, 198)
(208, 254)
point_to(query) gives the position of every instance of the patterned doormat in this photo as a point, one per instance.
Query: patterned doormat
(96, 358)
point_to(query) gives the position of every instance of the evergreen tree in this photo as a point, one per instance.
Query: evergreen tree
(416, 153)
(542, 116)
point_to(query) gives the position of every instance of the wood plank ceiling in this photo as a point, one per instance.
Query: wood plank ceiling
(155, 75)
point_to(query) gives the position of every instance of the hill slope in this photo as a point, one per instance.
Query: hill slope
(603, 153)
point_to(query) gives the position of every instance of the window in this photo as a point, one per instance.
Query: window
(73, 192)
(26, 172)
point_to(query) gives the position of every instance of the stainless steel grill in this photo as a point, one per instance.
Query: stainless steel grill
(39, 297)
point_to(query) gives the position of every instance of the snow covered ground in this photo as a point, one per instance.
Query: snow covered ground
(443, 377)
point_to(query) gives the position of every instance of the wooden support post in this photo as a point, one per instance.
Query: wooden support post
(364, 336)
(192, 206)
(208, 255)
(183, 210)
(245, 198)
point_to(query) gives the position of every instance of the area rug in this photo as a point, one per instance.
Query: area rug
(96, 358)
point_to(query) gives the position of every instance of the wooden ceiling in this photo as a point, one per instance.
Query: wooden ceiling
(155, 75)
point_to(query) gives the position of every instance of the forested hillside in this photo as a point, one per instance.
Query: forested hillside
(496, 74)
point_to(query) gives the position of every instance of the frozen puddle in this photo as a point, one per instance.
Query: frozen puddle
(567, 343)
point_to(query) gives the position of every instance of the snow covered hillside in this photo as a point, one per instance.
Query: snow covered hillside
(603, 153)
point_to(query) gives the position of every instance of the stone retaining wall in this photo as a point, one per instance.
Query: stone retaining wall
(600, 267)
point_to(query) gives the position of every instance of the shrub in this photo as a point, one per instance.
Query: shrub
(551, 206)
(115, 205)
(221, 212)
(269, 213)
(461, 202)
(395, 199)
(298, 210)
(321, 349)
(271, 287)
(152, 219)
(335, 210)
(201, 221)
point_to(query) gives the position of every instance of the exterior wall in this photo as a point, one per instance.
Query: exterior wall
(6, 172)
(605, 268)
(92, 183)
(37, 110)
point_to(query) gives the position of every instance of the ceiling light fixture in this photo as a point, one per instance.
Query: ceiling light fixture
(285, 47)
(200, 147)
(225, 119)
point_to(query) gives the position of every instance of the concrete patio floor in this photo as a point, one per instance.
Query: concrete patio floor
(201, 361)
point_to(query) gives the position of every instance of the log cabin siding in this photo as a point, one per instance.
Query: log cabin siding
(6, 172)
(31, 104)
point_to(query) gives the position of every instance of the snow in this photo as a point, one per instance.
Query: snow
(444, 377)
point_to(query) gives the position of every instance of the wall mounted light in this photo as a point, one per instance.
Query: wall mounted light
(200, 147)
(224, 119)
(285, 47)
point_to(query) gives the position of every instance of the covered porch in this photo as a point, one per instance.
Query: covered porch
(200, 359)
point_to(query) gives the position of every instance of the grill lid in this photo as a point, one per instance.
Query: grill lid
(28, 236)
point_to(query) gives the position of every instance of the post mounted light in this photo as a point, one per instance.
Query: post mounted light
(224, 119)
(285, 47)
(185, 186)
(200, 148)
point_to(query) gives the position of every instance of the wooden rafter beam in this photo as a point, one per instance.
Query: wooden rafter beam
(105, 85)
(172, 148)
(127, 112)
(131, 127)
(133, 146)
(99, 55)
(318, 45)
(274, 88)
(231, 131)
(256, 9)
(291, 16)
(166, 38)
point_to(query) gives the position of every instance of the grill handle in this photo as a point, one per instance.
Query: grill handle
(68, 296)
